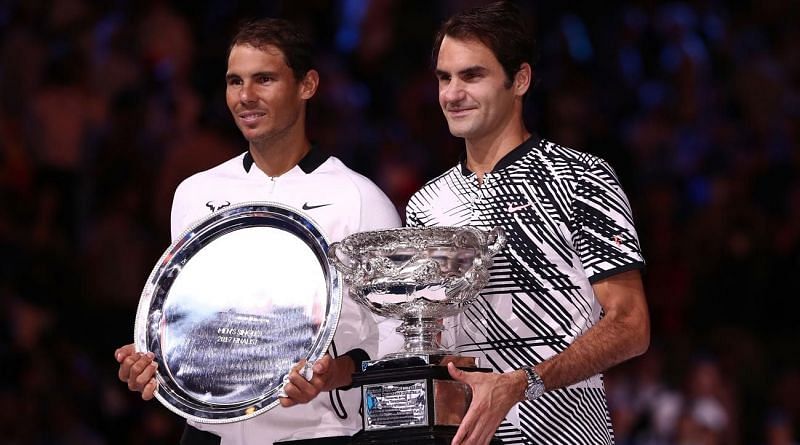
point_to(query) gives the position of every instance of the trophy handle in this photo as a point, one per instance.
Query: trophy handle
(497, 237)
(333, 255)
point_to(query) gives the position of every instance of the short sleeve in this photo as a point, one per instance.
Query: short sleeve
(603, 231)
(178, 212)
(412, 218)
(377, 211)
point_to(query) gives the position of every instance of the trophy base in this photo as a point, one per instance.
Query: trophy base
(434, 435)
(400, 360)
(409, 400)
(416, 436)
(334, 440)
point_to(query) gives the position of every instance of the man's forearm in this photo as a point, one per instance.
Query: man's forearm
(608, 343)
(623, 333)
(344, 368)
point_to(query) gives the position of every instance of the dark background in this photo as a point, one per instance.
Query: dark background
(106, 106)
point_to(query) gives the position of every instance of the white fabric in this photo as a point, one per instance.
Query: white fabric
(356, 204)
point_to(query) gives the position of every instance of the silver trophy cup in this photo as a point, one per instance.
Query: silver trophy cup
(419, 276)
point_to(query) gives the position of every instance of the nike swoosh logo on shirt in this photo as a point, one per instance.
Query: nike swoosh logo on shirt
(309, 207)
(512, 209)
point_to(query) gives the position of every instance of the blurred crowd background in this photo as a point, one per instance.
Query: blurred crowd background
(106, 106)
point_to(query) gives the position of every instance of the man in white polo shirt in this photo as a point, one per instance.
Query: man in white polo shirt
(269, 80)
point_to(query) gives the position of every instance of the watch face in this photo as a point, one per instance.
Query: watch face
(535, 391)
(535, 385)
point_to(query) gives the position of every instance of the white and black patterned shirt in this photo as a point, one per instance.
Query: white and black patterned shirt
(568, 224)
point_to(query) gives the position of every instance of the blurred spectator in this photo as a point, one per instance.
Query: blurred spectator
(104, 106)
(779, 430)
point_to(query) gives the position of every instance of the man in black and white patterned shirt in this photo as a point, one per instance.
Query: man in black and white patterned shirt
(565, 299)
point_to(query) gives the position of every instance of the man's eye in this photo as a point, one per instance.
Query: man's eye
(265, 79)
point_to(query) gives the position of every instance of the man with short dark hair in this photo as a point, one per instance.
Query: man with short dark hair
(565, 298)
(270, 78)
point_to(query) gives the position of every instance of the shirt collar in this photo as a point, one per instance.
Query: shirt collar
(310, 162)
(511, 157)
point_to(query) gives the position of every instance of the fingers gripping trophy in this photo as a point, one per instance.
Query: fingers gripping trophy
(419, 276)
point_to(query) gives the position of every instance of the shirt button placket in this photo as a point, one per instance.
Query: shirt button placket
(272, 183)
(477, 199)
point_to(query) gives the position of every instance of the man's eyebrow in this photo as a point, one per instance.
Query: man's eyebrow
(473, 70)
(469, 71)
(230, 76)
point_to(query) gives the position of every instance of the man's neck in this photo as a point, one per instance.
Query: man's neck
(279, 156)
(484, 153)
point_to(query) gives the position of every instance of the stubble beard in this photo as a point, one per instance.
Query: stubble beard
(273, 137)
(459, 129)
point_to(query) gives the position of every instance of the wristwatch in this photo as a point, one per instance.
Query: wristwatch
(535, 387)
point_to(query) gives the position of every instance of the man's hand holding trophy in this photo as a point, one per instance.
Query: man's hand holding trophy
(419, 276)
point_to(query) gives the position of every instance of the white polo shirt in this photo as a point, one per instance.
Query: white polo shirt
(341, 202)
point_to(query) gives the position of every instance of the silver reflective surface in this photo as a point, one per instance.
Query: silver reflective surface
(417, 274)
(233, 303)
(426, 272)
(395, 405)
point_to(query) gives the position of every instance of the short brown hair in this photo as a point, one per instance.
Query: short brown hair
(500, 27)
(282, 34)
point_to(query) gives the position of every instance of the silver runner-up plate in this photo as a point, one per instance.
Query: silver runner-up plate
(236, 301)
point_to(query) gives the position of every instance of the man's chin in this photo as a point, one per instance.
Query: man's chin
(253, 135)
(458, 131)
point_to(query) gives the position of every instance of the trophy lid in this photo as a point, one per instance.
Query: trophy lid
(232, 305)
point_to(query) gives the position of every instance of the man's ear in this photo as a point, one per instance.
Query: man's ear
(523, 79)
(309, 84)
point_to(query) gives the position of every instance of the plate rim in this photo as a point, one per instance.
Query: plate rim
(247, 208)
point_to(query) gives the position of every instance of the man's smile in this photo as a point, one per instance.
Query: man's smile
(459, 111)
(251, 116)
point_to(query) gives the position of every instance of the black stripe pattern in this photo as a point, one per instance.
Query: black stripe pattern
(568, 224)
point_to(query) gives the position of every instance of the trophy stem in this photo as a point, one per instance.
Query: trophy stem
(421, 335)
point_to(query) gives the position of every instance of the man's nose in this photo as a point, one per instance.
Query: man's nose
(453, 91)
(247, 94)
